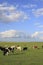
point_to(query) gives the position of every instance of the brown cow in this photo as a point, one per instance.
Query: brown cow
(35, 47)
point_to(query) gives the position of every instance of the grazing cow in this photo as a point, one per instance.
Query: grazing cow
(5, 50)
(35, 47)
(18, 47)
(25, 48)
(11, 49)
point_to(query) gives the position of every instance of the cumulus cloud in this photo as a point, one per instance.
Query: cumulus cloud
(14, 34)
(38, 35)
(9, 13)
(35, 34)
(38, 12)
(20, 35)
(11, 34)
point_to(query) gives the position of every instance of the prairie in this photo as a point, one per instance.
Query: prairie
(29, 57)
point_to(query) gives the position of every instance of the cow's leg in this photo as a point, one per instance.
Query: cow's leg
(7, 53)
(4, 53)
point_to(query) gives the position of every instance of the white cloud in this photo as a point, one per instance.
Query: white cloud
(38, 12)
(11, 13)
(11, 34)
(14, 34)
(35, 34)
(20, 35)
(38, 35)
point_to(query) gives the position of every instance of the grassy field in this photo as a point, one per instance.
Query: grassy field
(28, 57)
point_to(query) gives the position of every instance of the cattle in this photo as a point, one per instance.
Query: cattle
(4, 50)
(35, 47)
(25, 48)
(11, 49)
(18, 48)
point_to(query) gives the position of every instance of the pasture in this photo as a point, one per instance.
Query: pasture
(29, 57)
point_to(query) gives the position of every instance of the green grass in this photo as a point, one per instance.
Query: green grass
(29, 57)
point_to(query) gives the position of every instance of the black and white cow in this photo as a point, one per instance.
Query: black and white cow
(11, 49)
(4, 50)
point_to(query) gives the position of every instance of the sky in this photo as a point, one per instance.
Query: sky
(21, 20)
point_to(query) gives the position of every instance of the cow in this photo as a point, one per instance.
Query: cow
(25, 48)
(4, 50)
(11, 49)
(35, 47)
(18, 47)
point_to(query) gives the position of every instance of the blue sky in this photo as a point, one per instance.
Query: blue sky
(21, 20)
